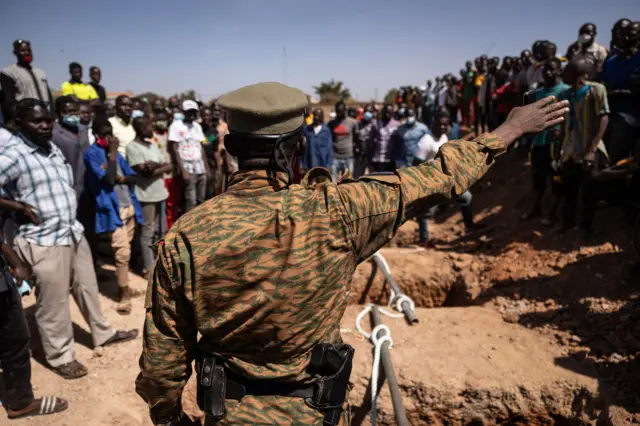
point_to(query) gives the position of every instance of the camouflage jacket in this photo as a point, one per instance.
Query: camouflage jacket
(263, 273)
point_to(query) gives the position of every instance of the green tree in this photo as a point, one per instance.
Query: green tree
(332, 91)
(391, 96)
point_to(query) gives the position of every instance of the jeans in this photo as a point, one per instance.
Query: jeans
(340, 165)
(463, 201)
(14, 348)
(151, 213)
(195, 191)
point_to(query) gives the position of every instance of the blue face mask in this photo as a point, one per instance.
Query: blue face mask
(368, 115)
(137, 113)
(178, 116)
(71, 120)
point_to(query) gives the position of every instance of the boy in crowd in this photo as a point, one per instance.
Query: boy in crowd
(582, 148)
(428, 148)
(545, 143)
(111, 181)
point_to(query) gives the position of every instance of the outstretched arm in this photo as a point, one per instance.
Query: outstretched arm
(376, 205)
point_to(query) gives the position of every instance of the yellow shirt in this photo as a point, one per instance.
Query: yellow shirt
(84, 92)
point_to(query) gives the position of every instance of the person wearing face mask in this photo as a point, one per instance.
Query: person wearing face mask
(22, 80)
(121, 122)
(587, 39)
(319, 144)
(112, 182)
(405, 140)
(137, 108)
(368, 135)
(71, 138)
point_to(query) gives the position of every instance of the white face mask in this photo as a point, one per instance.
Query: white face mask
(411, 120)
(585, 38)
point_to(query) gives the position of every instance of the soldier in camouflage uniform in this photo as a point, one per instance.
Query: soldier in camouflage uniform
(262, 271)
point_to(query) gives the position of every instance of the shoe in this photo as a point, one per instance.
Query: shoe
(428, 245)
(476, 227)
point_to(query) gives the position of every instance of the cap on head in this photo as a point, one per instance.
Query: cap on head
(189, 105)
(265, 109)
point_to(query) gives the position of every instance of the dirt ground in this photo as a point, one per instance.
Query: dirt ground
(580, 300)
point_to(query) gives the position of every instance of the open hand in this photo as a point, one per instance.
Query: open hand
(536, 117)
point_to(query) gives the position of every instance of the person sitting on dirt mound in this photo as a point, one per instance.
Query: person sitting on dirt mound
(428, 148)
(262, 271)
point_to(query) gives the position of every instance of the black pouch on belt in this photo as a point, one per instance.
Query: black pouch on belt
(331, 364)
(212, 383)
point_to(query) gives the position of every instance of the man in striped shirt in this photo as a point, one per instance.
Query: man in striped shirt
(34, 173)
(22, 80)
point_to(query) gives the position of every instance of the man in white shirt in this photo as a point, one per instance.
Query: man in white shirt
(121, 123)
(186, 138)
(428, 148)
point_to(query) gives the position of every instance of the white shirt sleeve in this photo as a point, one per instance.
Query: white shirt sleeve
(175, 134)
(427, 148)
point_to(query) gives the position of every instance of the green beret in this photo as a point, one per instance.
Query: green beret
(265, 109)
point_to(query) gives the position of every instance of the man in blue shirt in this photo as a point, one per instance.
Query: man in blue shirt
(406, 138)
(111, 181)
(621, 76)
(319, 150)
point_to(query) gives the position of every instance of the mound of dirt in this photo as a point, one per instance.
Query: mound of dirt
(462, 366)
(431, 279)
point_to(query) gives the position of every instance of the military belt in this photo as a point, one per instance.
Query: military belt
(238, 388)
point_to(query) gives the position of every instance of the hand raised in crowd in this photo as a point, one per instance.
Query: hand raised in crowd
(536, 117)
(114, 144)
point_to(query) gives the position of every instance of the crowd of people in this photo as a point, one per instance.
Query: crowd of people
(585, 160)
(82, 179)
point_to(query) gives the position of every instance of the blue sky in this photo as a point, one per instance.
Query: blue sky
(215, 46)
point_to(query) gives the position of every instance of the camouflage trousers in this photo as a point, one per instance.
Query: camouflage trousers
(274, 410)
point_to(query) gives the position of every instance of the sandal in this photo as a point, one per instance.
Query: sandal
(72, 370)
(124, 308)
(121, 336)
(40, 407)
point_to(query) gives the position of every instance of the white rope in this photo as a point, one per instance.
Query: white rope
(393, 296)
(377, 343)
(377, 348)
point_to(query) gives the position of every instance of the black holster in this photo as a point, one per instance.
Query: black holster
(330, 365)
(212, 382)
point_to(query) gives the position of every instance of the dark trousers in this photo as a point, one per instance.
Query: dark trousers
(14, 348)
(359, 166)
(577, 180)
(620, 138)
(382, 167)
(453, 113)
(480, 118)
(542, 173)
